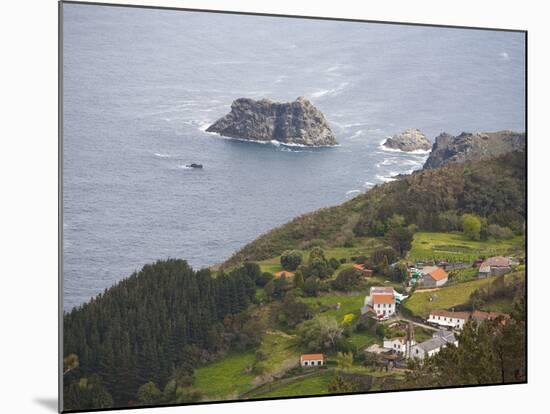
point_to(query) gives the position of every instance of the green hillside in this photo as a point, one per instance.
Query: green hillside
(433, 200)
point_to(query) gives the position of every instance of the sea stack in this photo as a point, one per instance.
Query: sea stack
(291, 123)
(409, 140)
(449, 149)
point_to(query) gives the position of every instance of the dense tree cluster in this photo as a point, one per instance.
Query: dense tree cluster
(141, 330)
(501, 288)
(435, 200)
(347, 280)
(291, 259)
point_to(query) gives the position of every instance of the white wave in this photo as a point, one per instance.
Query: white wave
(185, 167)
(352, 192)
(504, 56)
(273, 142)
(285, 148)
(388, 161)
(161, 155)
(392, 176)
(368, 184)
(354, 124)
(203, 126)
(333, 68)
(330, 92)
(384, 179)
(357, 134)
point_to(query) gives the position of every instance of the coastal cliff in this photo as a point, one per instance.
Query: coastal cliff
(291, 123)
(449, 149)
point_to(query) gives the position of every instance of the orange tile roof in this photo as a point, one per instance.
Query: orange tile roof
(310, 357)
(497, 261)
(449, 314)
(284, 273)
(383, 299)
(480, 315)
(438, 274)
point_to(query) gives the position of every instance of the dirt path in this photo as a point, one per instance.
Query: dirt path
(428, 290)
(280, 333)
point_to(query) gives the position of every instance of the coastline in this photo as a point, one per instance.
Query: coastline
(415, 152)
(271, 142)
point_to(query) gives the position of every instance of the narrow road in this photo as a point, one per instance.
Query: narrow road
(422, 325)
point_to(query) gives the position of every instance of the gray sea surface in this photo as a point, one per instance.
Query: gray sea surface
(141, 86)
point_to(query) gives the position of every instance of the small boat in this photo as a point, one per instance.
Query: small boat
(194, 165)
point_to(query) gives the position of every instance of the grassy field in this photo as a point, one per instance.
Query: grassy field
(280, 350)
(348, 304)
(314, 385)
(225, 377)
(455, 247)
(444, 298)
(458, 294)
(364, 339)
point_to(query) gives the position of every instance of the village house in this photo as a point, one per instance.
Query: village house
(448, 319)
(401, 346)
(381, 301)
(433, 276)
(456, 320)
(363, 269)
(494, 266)
(284, 273)
(429, 348)
(481, 316)
(312, 360)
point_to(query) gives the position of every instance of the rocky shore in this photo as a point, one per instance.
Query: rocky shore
(291, 123)
(449, 149)
(409, 140)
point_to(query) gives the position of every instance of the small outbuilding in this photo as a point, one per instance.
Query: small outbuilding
(494, 266)
(312, 360)
(433, 276)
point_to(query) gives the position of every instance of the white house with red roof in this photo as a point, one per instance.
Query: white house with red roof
(312, 360)
(381, 301)
(448, 319)
(456, 320)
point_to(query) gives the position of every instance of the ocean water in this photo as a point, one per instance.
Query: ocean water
(140, 87)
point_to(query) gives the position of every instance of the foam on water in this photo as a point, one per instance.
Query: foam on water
(163, 102)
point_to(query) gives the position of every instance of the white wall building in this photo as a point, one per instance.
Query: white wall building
(381, 301)
(429, 348)
(400, 345)
(447, 319)
(312, 360)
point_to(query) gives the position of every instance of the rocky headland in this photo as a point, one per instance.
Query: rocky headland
(409, 140)
(449, 149)
(290, 123)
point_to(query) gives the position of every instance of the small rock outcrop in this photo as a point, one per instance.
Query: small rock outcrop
(292, 123)
(409, 140)
(449, 149)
